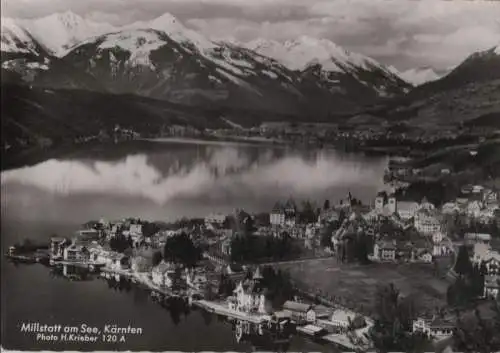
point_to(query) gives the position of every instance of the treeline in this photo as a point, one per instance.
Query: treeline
(253, 248)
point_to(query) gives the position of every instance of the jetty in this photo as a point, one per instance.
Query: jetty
(221, 309)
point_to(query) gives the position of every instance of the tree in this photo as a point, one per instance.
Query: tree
(181, 249)
(393, 320)
(157, 258)
(477, 334)
(463, 265)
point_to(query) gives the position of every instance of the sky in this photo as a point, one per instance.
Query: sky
(402, 33)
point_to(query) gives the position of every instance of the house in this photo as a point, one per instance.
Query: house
(384, 251)
(162, 274)
(282, 215)
(343, 319)
(215, 218)
(474, 238)
(434, 328)
(250, 295)
(492, 264)
(437, 237)
(490, 197)
(406, 209)
(317, 312)
(427, 223)
(74, 253)
(425, 256)
(196, 279)
(328, 216)
(491, 287)
(297, 311)
(450, 208)
(474, 209)
(140, 264)
(57, 245)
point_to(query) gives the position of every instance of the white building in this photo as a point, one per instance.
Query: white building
(384, 251)
(474, 209)
(284, 215)
(249, 296)
(427, 223)
(407, 209)
(215, 218)
(491, 287)
(434, 328)
(162, 274)
(342, 319)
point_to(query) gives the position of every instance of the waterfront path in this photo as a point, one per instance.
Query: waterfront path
(221, 309)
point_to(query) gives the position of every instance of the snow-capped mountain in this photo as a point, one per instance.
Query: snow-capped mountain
(332, 64)
(305, 51)
(60, 31)
(479, 67)
(164, 59)
(418, 76)
(23, 57)
(181, 67)
(15, 39)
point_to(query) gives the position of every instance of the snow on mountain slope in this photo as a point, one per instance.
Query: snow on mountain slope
(305, 51)
(332, 66)
(16, 39)
(60, 31)
(175, 30)
(418, 76)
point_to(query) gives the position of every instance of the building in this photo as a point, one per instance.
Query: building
(475, 238)
(283, 215)
(384, 251)
(433, 328)
(491, 287)
(474, 209)
(343, 319)
(328, 216)
(215, 218)
(250, 296)
(196, 280)
(407, 209)
(427, 223)
(297, 311)
(317, 312)
(75, 253)
(162, 274)
(57, 246)
(140, 264)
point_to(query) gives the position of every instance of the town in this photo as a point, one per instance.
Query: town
(327, 269)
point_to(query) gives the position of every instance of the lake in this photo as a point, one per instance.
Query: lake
(154, 181)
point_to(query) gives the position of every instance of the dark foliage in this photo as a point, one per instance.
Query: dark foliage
(252, 248)
(181, 249)
(392, 329)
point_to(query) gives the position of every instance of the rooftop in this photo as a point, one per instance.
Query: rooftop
(296, 306)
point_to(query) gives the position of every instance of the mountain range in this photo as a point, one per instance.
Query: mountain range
(163, 59)
(162, 67)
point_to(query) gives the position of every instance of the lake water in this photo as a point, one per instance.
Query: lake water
(154, 181)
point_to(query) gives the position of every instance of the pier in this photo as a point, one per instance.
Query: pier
(220, 309)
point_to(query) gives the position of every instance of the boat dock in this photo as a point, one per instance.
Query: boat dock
(223, 310)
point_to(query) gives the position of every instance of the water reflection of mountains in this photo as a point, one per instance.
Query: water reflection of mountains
(177, 159)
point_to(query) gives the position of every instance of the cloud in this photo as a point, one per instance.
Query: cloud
(226, 172)
(403, 33)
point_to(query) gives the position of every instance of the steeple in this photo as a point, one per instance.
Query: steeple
(257, 275)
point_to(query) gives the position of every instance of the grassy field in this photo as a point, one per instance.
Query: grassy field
(357, 284)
